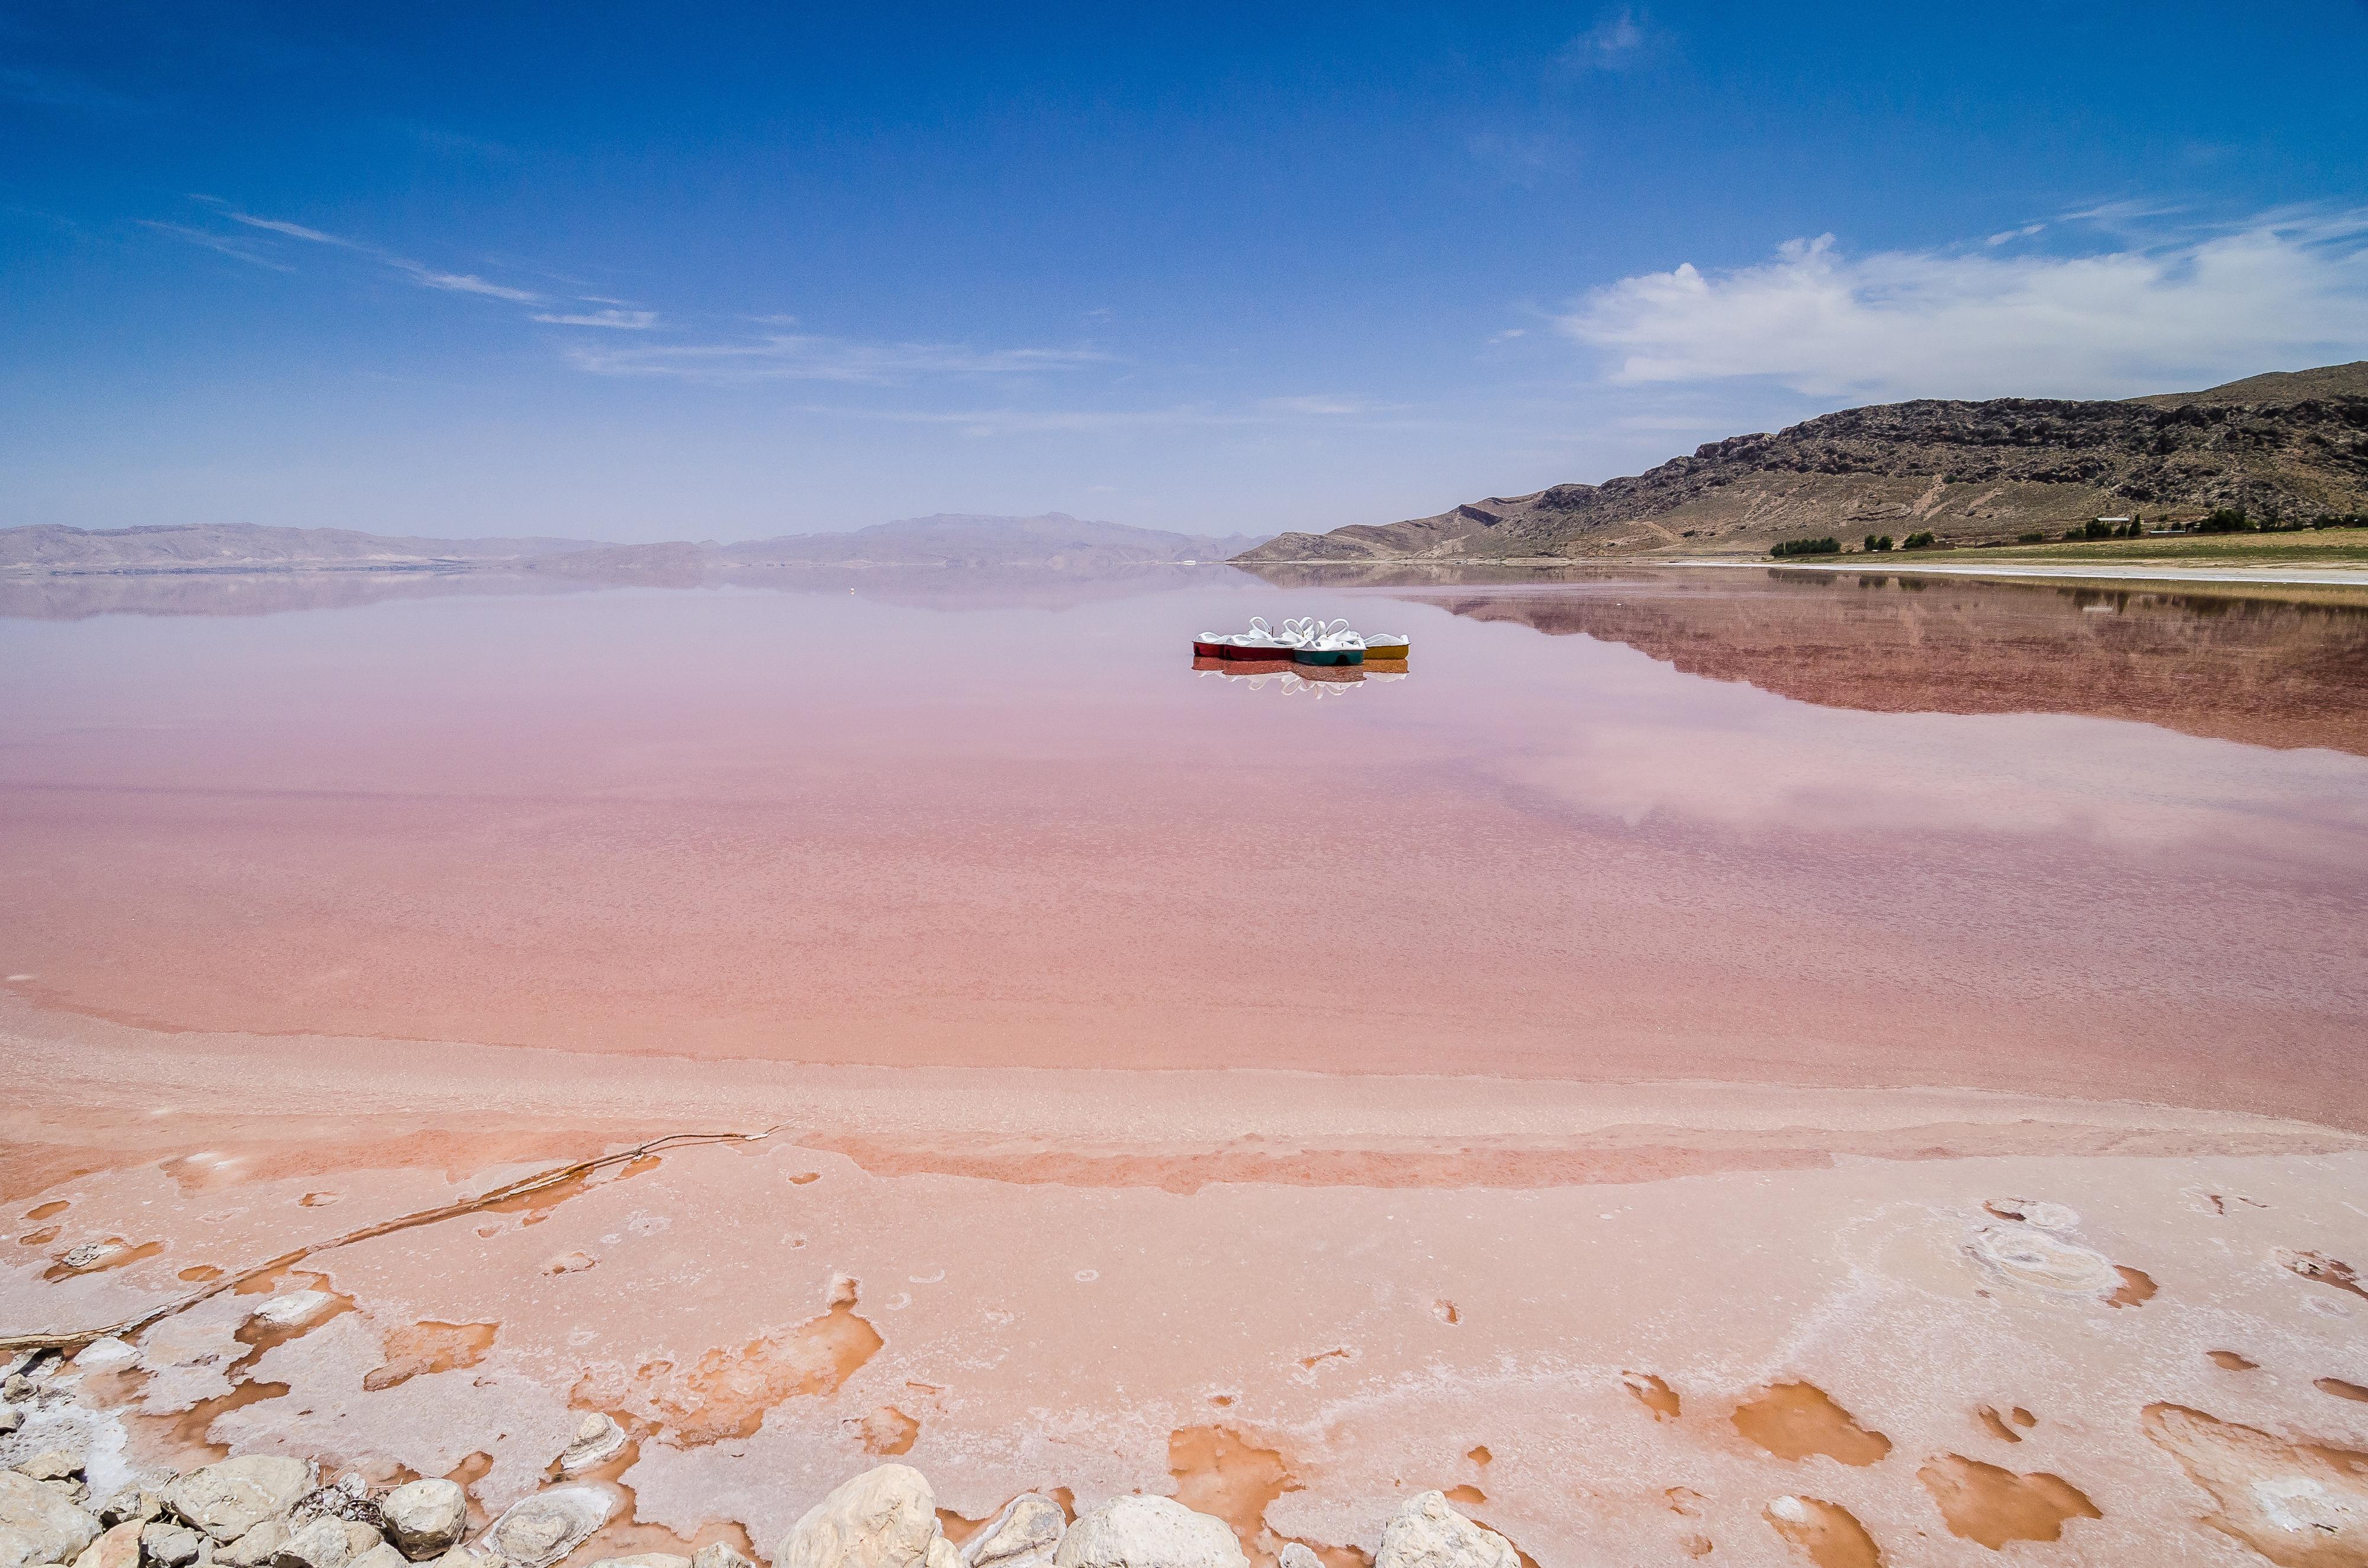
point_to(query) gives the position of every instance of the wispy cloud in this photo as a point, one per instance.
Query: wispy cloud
(227, 244)
(2284, 289)
(419, 272)
(463, 283)
(796, 357)
(629, 320)
(1618, 40)
(294, 230)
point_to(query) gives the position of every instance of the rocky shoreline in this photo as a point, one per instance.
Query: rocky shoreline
(63, 1506)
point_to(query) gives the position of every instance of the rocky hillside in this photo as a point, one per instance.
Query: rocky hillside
(2284, 445)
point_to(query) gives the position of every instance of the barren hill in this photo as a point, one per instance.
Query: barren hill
(2282, 445)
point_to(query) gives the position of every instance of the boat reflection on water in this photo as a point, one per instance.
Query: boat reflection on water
(1288, 678)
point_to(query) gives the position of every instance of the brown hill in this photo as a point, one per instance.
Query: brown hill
(2284, 445)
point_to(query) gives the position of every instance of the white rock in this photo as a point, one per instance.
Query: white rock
(168, 1545)
(56, 1464)
(10, 1418)
(382, 1555)
(645, 1560)
(1427, 1533)
(1149, 1533)
(327, 1542)
(289, 1308)
(39, 1526)
(1296, 1555)
(425, 1518)
(885, 1517)
(255, 1548)
(598, 1440)
(715, 1554)
(229, 1499)
(104, 1356)
(538, 1531)
(1024, 1535)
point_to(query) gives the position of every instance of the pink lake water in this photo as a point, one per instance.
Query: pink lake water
(1669, 824)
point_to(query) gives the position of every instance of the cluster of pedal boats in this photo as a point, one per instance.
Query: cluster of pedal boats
(1303, 642)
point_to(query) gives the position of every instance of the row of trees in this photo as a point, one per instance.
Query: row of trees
(2225, 520)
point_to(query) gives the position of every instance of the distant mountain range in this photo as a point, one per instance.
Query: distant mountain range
(1053, 541)
(2289, 444)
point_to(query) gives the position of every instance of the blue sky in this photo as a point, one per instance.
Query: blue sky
(633, 272)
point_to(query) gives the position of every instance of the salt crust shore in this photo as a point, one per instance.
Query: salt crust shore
(1628, 1320)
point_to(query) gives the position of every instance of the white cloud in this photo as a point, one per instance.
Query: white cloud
(631, 320)
(780, 356)
(2283, 291)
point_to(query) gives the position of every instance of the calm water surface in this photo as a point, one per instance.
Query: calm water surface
(1679, 824)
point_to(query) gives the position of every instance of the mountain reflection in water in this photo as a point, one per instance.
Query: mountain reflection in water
(2282, 673)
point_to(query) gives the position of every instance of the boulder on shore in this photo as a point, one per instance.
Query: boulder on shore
(425, 1519)
(596, 1442)
(38, 1524)
(1427, 1533)
(1148, 1532)
(228, 1499)
(715, 1554)
(885, 1517)
(1024, 1535)
(118, 1548)
(254, 1549)
(327, 1542)
(536, 1531)
(169, 1545)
